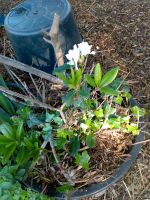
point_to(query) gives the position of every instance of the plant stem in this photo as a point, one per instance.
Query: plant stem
(65, 174)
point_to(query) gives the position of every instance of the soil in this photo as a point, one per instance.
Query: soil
(119, 31)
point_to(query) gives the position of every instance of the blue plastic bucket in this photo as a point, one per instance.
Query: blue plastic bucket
(25, 24)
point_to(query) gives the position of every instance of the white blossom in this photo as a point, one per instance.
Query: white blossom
(73, 56)
(85, 49)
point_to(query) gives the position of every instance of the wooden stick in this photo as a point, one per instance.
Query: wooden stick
(33, 101)
(55, 40)
(18, 65)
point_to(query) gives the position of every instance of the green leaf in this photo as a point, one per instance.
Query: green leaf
(33, 121)
(4, 116)
(2, 82)
(68, 98)
(61, 133)
(21, 156)
(5, 185)
(49, 117)
(47, 127)
(19, 130)
(62, 77)
(9, 151)
(61, 69)
(114, 123)
(6, 128)
(58, 121)
(47, 131)
(90, 140)
(90, 80)
(85, 91)
(74, 145)
(109, 91)
(6, 104)
(109, 110)
(72, 76)
(118, 100)
(78, 77)
(24, 112)
(109, 77)
(60, 143)
(127, 95)
(99, 113)
(97, 75)
(138, 112)
(66, 188)
(83, 160)
(133, 128)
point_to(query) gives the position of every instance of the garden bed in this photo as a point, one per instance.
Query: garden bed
(120, 33)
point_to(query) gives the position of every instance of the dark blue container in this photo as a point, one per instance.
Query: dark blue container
(25, 24)
(1, 19)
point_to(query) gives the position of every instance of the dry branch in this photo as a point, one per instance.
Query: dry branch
(55, 40)
(32, 101)
(18, 65)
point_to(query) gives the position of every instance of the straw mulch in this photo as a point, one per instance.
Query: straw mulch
(119, 31)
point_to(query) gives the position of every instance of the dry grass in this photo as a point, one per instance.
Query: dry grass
(119, 30)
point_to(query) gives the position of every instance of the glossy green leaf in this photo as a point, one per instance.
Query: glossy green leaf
(138, 112)
(74, 145)
(4, 116)
(61, 69)
(90, 140)
(58, 121)
(2, 82)
(99, 113)
(9, 151)
(109, 77)
(90, 80)
(97, 75)
(78, 77)
(6, 104)
(19, 130)
(24, 112)
(66, 188)
(49, 117)
(83, 160)
(33, 120)
(108, 91)
(118, 100)
(21, 156)
(6, 128)
(127, 95)
(68, 98)
(5, 141)
(85, 91)
(60, 143)
(133, 128)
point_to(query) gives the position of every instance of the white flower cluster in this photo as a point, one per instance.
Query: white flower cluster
(81, 50)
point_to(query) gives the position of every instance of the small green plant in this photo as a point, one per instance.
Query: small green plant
(42, 142)
(10, 188)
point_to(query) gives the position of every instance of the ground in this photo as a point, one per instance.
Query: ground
(119, 31)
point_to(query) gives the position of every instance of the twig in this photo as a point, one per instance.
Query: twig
(23, 84)
(66, 175)
(23, 67)
(33, 101)
(142, 142)
(127, 190)
(11, 75)
(55, 40)
(36, 87)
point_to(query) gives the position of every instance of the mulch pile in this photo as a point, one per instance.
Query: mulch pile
(119, 31)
